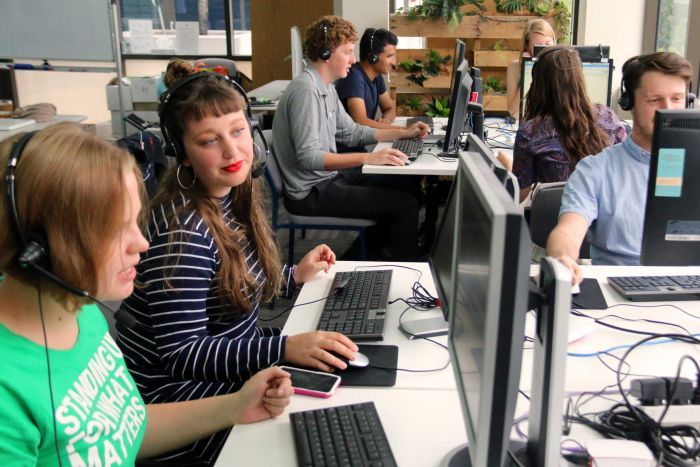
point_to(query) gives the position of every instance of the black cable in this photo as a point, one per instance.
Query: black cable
(48, 373)
(577, 312)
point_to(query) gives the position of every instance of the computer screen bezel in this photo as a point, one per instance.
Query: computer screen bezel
(459, 100)
(587, 53)
(523, 91)
(505, 320)
(506, 177)
(458, 59)
(654, 250)
(445, 297)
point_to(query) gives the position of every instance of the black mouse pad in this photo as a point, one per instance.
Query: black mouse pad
(590, 298)
(381, 371)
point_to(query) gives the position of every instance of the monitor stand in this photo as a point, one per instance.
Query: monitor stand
(459, 457)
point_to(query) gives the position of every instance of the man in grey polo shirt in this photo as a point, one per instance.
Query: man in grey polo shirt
(310, 119)
(606, 194)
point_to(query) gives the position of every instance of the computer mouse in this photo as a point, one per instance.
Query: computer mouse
(361, 360)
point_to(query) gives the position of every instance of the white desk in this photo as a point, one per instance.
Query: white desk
(422, 415)
(415, 354)
(42, 125)
(271, 91)
(428, 164)
(589, 374)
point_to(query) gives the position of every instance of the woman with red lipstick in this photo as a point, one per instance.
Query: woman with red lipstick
(212, 260)
(65, 392)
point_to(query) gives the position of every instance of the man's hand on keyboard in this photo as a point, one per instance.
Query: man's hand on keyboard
(321, 258)
(387, 156)
(417, 130)
(313, 349)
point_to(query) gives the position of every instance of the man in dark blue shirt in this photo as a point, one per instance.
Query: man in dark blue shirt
(363, 91)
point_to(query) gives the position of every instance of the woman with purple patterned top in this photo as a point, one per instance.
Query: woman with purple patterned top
(560, 125)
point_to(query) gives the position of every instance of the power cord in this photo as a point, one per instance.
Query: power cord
(672, 445)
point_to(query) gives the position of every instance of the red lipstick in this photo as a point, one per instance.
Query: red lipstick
(235, 167)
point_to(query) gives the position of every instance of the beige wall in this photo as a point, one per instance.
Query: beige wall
(363, 14)
(619, 24)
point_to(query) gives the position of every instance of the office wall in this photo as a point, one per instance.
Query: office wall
(270, 23)
(363, 14)
(619, 24)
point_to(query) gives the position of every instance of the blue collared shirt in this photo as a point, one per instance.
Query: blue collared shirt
(609, 190)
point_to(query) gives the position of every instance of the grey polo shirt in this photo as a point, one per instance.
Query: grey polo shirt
(308, 121)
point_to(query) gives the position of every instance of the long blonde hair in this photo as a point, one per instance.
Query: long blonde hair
(70, 189)
(212, 96)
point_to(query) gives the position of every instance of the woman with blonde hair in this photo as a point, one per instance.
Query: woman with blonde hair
(537, 32)
(72, 237)
(212, 260)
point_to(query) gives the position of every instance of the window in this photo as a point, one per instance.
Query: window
(672, 26)
(151, 27)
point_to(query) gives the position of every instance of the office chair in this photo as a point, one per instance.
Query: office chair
(230, 65)
(544, 214)
(295, 221)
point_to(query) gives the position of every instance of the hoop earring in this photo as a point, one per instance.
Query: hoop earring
(257, 153)
(179, 182)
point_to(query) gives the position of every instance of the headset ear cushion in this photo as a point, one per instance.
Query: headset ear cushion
(325, 54)
(625, 101)
(373, 59)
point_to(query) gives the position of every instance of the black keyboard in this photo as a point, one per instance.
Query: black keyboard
(427, 119)
(348, 435)
(410, 147)
(356, 305)
(657, 288)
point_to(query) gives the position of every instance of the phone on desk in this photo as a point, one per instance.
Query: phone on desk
(312, 383)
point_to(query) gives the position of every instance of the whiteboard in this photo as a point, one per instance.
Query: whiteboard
(56, 30)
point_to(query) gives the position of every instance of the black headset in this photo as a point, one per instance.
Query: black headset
(626, 100)
(372, 57)
(173, 145)
(325, 52)
(34, 252)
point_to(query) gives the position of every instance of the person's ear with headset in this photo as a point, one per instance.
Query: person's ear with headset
(73, 207)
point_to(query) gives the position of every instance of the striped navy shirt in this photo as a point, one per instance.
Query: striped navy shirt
(186, 344)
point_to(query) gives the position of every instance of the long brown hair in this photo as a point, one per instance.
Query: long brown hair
(70, 188)
(213, 97)
(558, 91)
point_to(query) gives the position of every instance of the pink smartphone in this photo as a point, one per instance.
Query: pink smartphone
(312, 383)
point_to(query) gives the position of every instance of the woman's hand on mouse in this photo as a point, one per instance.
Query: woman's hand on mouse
(321, 258)
(313, 349)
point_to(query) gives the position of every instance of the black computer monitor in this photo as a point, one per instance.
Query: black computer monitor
(487, 316)
(477, 86)
(672, 217)
(587, 53)
(460, 49)
(507, 178)
(442, 253)
(459, 98)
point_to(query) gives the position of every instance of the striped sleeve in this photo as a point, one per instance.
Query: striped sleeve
(179, 278)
